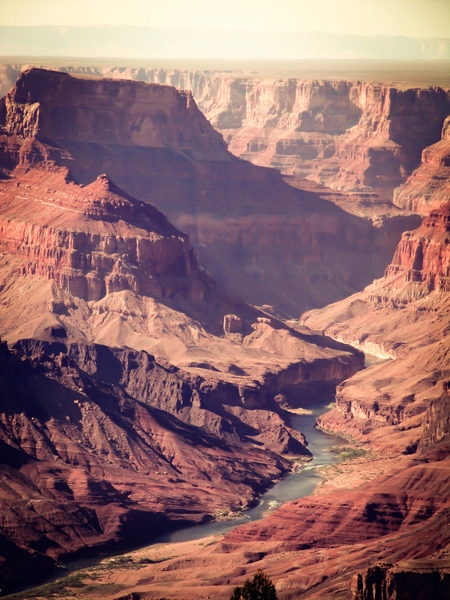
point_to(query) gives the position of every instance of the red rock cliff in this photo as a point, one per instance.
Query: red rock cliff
(94, 240)
(423, 255)
(428, 187)
(52, 105)
(347, 135)
(157, 146)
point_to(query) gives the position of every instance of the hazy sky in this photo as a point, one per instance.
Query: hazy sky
(415, 18)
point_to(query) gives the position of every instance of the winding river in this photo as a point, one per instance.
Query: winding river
(296, 485)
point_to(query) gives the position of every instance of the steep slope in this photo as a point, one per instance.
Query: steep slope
(404, 317)
(93, 263)
(295, 249)
(86, 464)
(428, 187)
(351, 135)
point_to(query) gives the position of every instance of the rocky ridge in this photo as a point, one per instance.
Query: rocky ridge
(297, 249)
(404, 317)
(428, 187)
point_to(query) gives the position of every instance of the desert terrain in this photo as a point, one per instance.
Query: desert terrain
(188, 259)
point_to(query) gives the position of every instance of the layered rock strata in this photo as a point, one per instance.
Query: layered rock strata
(295, 249)
(94, 240)
(428, 188)
(347, 135)
(358, 136)
(403, 317)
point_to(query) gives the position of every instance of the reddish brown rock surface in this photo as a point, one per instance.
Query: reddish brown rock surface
(100, 442)
(94, 240)
(404, 317)
(428, 187)
(294, 248)
(321, 547)
(356, 136)
(86, 464)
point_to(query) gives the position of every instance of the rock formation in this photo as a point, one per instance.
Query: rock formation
(87, 427)
(86, 464)
(428, 187)
(94, 240)
(140, 397)
(402, 317)
(248, 226)
(348, 135)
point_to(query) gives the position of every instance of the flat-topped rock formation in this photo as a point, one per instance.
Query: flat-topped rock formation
(54, 105)
(244, 221)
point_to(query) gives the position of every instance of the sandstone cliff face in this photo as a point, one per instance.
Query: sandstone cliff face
(428, 187)
(408, 579)
(96, 240)
(402, 317)
(77, 109)
(423, 256)
(347, 135)
(162, 150)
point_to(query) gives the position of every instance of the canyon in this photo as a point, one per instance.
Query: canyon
(165, 304)
(246, 224)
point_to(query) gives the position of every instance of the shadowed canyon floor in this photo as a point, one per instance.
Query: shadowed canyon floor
(139, 396)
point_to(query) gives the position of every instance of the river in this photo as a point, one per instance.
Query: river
(296, 485)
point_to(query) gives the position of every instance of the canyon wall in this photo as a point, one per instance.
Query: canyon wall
(95, 240)
(294, 247)
(429, 185)
(87, 465)
(402, 317)
(347, 135)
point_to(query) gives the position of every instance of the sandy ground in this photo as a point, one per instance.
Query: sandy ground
(351, 475)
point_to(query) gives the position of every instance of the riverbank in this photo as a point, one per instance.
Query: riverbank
(301, 483)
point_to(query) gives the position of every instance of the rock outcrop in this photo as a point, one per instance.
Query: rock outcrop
(94, 240)
(403, 317)
(428, 188)
(408, 579)
(261, 239)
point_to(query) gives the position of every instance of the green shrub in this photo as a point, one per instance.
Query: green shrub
(258, 588)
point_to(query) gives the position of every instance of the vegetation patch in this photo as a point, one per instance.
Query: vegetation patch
(347, 453)
(71, 586)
